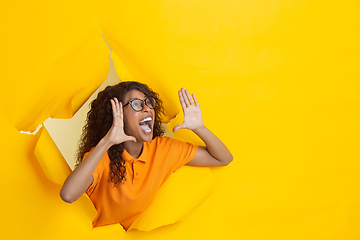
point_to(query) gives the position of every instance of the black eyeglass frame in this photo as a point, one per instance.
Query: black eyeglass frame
(148, 103)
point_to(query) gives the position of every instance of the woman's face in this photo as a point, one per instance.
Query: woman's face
(138, 124)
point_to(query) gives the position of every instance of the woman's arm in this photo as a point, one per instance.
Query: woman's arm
(215, 153)
(81, 178)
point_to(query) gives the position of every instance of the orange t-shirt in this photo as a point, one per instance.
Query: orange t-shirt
(144, 176)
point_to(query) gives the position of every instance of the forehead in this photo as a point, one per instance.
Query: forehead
(134, 94)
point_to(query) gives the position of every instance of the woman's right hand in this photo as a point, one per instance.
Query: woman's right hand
(116, 133)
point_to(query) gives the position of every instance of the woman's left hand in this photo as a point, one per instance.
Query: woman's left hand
(192, 112)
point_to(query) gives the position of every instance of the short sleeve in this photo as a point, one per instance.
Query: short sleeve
(97, 174)
(183, 152)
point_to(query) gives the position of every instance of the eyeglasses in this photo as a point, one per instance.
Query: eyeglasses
(138, 104)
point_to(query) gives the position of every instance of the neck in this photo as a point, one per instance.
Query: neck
(133, 148)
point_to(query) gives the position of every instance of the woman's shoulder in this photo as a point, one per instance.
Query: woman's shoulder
(166, 142)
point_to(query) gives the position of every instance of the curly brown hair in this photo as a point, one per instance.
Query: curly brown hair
(99, 121)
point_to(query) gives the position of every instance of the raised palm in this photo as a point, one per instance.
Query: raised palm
(116, 133)
(192, 112)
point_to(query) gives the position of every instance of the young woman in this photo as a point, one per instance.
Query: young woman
(123, 158)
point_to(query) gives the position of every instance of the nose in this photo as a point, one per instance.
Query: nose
(146, 108)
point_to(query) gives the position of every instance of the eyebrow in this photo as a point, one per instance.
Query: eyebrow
(137, 98)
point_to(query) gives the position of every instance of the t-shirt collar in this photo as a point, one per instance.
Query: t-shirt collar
(142, 157)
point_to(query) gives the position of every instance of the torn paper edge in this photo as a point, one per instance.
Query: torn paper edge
(34, 132)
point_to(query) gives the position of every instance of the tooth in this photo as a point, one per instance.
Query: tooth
(146, 119)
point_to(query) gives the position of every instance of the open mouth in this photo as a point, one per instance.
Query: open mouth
(146, 124)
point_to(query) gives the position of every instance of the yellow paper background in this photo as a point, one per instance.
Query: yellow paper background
(277, 82)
